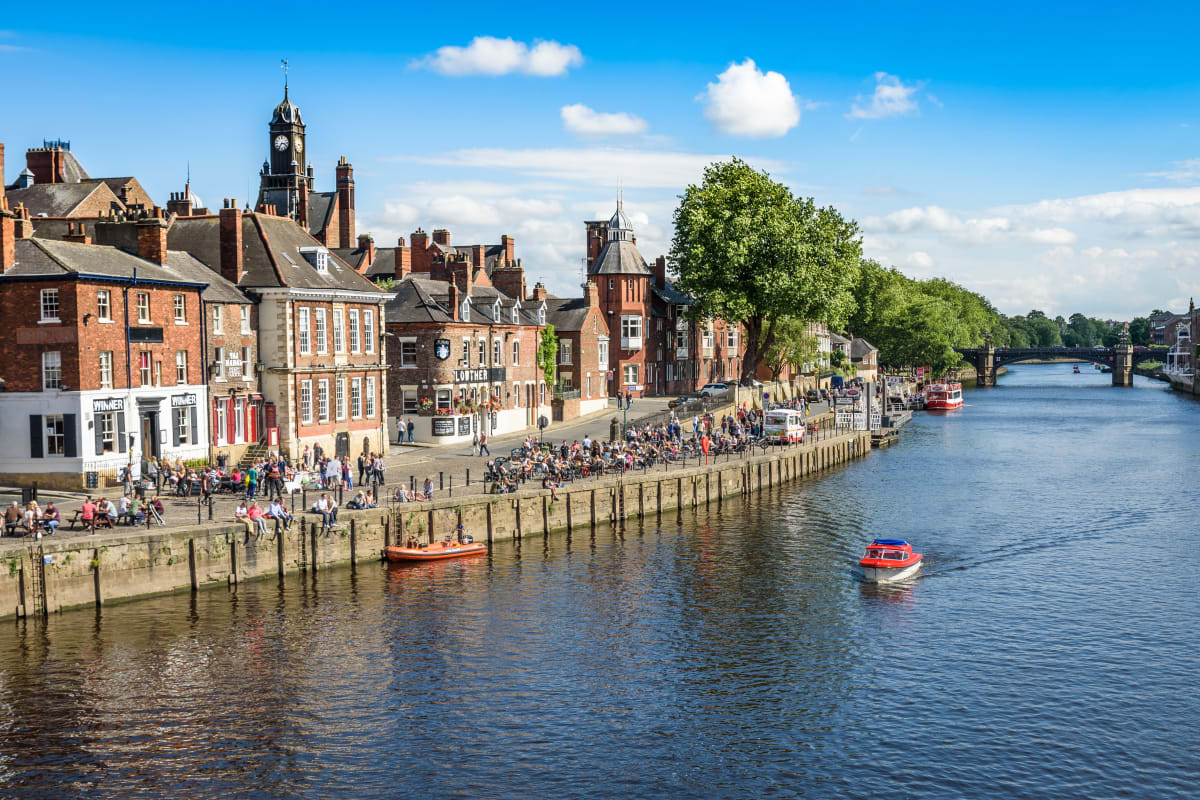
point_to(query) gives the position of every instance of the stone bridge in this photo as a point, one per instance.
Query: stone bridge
(1121, 358)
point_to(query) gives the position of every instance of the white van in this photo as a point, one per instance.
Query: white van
(783, 425)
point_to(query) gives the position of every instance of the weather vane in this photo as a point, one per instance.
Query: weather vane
(283, 64)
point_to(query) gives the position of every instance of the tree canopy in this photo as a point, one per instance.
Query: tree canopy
(750, 252)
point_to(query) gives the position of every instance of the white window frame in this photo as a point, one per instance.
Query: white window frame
(464, 309)
(630, 373)
(106, 369)
(408, 401)
(408, 353)
(222, 434)
(183, 423)
(516, 355)
(50, 307)
(303, 334)
(603, 348)
(180, 304)
(48, 438)
(323, 400)
(731, 337)
(143, 307)
(368, 317)
(219, 360)
(354, 342)
(564, 351)
(247, 367)
(483, 352)
(51, 370)
(369, 390)
(181, 367)
(244, 312)
(218, 319)
(339, 392)
(104, 305)
(339, 331)
(306, 404)
(319, 326)
(106, 423)
(497, 353)
(356, 398)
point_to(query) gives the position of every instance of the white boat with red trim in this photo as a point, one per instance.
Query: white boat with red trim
(889, 560)
(943, 397)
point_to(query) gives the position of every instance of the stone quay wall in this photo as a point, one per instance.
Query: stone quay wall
(76, 571)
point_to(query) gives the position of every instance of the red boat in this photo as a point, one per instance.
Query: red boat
(889, 560)
(943, 397)
(412, 551)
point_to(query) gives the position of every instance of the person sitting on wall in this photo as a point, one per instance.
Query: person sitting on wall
(357, 502)
(255, 513)
(277, 510)
(157, 510)
(328, 511)
(12, 518)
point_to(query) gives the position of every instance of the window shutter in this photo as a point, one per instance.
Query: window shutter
(70, 441)
(174, 429)
(193, 415)
(99, 434)
(35, 436)
(121, 432)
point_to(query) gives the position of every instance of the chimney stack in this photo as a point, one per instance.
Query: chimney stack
(509, 244)
(232, 256)
(79, 235)
(452, 301)
(539, 292)
(403, 260)
(152, 237)
(345, 192)
(365, 242)
(441, 236)
(8, 242)
(660, 272)
(592, 294)
(420, 251)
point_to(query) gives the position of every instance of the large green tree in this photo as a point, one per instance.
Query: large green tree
(750, 252)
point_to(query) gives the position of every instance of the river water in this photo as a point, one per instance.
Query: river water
(1048, 649)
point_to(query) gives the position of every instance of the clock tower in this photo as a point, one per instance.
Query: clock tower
(284, 182)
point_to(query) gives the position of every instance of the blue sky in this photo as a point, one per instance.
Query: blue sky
(1042, 156)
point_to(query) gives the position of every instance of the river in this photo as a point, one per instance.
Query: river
(1048, 649)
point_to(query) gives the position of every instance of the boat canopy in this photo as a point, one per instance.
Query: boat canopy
(890, 542)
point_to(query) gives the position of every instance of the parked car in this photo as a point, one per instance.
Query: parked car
(711, 389)
(1140, 348)
(1099, 347)
(679, 401)
(812, 396)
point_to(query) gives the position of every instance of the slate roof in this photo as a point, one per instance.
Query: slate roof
(73, 171)
(567, 313)
(425, 300)
(384, 265)
(672, 295)
(320, 211)
(48, 257)
(220, 289)
(56, 199)
(620, 258)
(838, 339)
(270, 251)
(861, 347)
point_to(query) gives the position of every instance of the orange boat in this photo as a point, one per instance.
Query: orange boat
(436, 551)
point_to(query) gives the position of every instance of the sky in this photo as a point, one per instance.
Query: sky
(1044, 155)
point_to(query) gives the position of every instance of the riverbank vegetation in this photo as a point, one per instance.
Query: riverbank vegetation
(751, 252)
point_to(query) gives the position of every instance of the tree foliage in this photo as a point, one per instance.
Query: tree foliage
(547, 353)
(793, 347)
(750, 252)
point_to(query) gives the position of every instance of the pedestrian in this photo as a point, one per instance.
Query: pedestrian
(483, 448)
(362, 466)
(618, 399)
(628, 399)
(411, 430)
(399, 430)
(427, 487)
(475, 444)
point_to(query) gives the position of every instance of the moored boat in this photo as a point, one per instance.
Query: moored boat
(1076, 369)
(411, 551)
(889, 560)
(943, 397)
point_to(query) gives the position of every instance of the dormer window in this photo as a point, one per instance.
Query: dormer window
(496, 311)
(541, 317)
(514, 315)
(318, 257)
(464, 309)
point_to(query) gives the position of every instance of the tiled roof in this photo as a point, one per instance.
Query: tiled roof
(620, 258)
(320, 211)
(425, 300)
(567, 313)
(55, 199)
(861, 347)
(40, 257)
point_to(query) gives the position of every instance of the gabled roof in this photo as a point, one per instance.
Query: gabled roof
(271, 253)
(567, 313)
(59, 199)
(861, 347)
(670, 294)
(49, 257)
(838, 339)
(620, 258)
(220, 289)
(425, 300)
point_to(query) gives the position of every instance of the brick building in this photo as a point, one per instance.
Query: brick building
(102, 355)
(319, 326)
(583, 360)
(463, 356)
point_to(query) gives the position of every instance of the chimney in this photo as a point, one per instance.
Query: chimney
(592, 294)
(478, 254)
(403, 259)
(441, 236)
(365, 242)
(76, 233)
(420, 251)
(345, 192)
(46, 164)
(152, 237)
(180, 204)
(22, 225)
(452, 301)
(8, 242)
(510, 280)
(3, 198)
(660, 272)
(539, 292)
(232, 257)
(509, 244)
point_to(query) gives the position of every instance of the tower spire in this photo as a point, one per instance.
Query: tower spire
(283, 64)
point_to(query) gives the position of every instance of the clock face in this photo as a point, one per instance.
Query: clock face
(299, 146)
(281, 143)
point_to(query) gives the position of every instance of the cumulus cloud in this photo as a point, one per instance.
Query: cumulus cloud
(578, 118)
(891, 98)
(919, 259)
(1184, 171)
(598, 166)
(487, 55)
(972, 230)
(744, 101)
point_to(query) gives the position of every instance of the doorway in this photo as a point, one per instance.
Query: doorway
(150, 445)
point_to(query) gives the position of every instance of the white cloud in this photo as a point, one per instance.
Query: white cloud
(578, 118)
(598, 166)
(487, 55)
(971, 230)
(919, 259)
(1052, 236)
(745, 101)
(1184, 172)
(891, 98)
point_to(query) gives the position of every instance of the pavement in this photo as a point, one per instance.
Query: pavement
(450, 466)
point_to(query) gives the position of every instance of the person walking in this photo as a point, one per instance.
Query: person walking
(483, 448)
(399, 430)
(475, 444)
(362, 467)
(628, 399)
